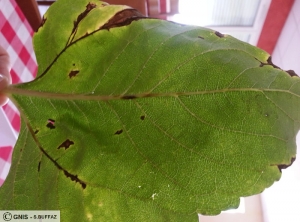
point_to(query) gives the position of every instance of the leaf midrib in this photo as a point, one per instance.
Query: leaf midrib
(14, 90)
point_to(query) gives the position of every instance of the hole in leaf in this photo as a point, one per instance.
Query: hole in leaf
(129, 97)
(119, 132)
(200, 37)
(142, 117)
(75, 178)
(36, 131)
(50, 124)
(220, 35)
(73, 73)
(66, 144)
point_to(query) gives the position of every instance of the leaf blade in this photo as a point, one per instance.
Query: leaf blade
(176, 132)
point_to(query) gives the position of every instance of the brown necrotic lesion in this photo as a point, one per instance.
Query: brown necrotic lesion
(219, 34)
(75, 178)
(66, 144)
(39, 166)
(73, 73)
(119, 132)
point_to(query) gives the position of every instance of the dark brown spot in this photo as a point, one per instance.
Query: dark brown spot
(123, 18)
(200, 37)
(284, 166)
(128, 97)
(88, 8)
(73, 73)
(67, 174)
(50, 124)
(35, 132)
(39, 166)
(75, 178)
(220, 35)
(119, 132)
(292, 73)
(21, 150)
(66, 144)
(271, 63)
(142, 117)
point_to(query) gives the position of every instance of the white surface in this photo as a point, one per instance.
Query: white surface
(7, 138)
(43, 9)
(202, 13)
(281, 202)
(287, 50)
(7, 135)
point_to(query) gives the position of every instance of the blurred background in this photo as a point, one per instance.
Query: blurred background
(273, 25)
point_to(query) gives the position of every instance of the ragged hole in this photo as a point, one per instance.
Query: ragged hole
(50, 124)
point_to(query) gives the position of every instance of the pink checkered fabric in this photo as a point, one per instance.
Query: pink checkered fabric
(16, 38)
